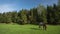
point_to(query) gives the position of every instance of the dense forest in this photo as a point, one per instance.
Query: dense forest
(49, 15)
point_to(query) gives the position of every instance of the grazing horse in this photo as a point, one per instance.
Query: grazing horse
(42, 24)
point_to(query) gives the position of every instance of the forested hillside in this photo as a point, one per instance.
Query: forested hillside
(49, 15)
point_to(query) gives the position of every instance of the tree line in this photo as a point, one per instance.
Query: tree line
(49, 15)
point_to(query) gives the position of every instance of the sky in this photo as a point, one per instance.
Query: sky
(16, 5)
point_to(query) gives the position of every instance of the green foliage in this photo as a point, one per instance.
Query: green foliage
(53, 14)
(34, 16)
(49, 15)
(58, 2)
(42, 13)
(24, 16)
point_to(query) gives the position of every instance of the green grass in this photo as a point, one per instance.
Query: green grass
(28, 29)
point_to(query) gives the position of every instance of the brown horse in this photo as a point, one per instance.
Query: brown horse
(43, 25)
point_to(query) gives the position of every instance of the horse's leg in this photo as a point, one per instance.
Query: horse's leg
(39, 26)
(44, 27)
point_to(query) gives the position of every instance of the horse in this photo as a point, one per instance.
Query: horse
(43, 25)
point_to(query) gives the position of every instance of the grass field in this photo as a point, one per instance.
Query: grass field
(28, 29)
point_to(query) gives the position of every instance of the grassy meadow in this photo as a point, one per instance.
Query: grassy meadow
(28, 29)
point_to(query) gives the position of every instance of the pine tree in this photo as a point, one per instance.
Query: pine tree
(58, 2)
